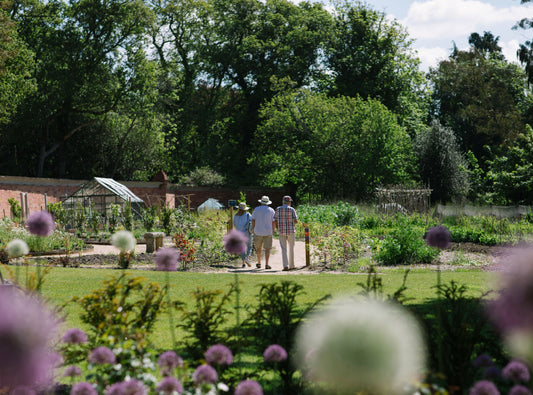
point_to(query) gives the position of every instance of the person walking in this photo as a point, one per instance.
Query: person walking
(284, 220)
(263, 227)
(242, 221)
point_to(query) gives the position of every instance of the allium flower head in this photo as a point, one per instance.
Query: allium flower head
(26, 330)
(519, 390)
(74, 336)
(168, 361)
(248, 387)
(205, 374)
(124, 240)
(16, 248)
(275, 353)
(235, 242)
(166, 259)
(72, 371)
(482, 361)
(40, 223)
(101, 356)
(219, 354)
(352, 346)
(516, 371)
(439, 236)
(484, 387)
(169, 385)
(133, 387)
(83, 388)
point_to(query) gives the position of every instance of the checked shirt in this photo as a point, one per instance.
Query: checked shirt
(285, 216)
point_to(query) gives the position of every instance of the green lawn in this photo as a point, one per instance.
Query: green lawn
(63, 283)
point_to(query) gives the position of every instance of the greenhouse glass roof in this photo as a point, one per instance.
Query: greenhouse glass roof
(119, 189)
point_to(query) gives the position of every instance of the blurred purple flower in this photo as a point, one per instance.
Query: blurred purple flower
(40, 223)
(275, 353)
(74, 336)
(115, 389)
(482, 361)
(169, 385)
(492, 373)
(101, 356)
(133, 387)
(248, 387)
(235, 242)
(83, 388)
(72, 371)
(205, 374)
(513, 309)
(26, 330)
(516, 371)
(439, 236)
(219, 354)
(519, 390)
(168, 361)
(166, 259)
(484, 387)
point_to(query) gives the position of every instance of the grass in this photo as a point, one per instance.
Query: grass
(61, 284)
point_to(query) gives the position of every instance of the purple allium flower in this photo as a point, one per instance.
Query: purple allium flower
(519, 390)
(205, 374)
(168, 361)
(484, 387)
(75, 336)
(516, 371)
(275, 353)
(235, 242)
(248, 387)
(166, 259)
(219, 354)
(22, 390)
(438, 236)
(115, 389)
(492, 373)
(83, 388)
(55, 359)
(26, 331)
(40, 223)
(482, 361)
(72, 371)
(133, 387)
(102, 355)
(169, 385)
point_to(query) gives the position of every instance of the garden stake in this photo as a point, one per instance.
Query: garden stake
(307, 258)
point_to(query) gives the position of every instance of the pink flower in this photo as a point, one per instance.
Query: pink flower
(275, 353)
(40, 223)
(75, 336)
(101, 356)
(235, 242)
(248, 387)
(205, 374)
(219, 354)
(166, 259)
(169, 385)
(72, 371)
(168, 361)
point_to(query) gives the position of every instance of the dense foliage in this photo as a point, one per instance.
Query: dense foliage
(326, 100)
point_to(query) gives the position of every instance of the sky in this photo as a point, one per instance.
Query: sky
(436, 24)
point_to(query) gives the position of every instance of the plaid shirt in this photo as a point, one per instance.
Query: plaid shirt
(285, 217)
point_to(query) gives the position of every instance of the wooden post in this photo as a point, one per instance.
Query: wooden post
(230, 222)
(22, 206)
(307, 257)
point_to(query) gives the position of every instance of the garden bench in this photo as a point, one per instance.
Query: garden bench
(154, 241)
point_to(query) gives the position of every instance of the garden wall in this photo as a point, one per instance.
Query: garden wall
(41, 191)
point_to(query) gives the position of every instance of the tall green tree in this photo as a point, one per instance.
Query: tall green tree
(86, 53)
(16, 63)
(332, 147)
(525, 50)
(371, 56)
(480, 96)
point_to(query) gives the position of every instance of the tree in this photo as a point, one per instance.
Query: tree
(441, 163)
(479, 98)
(86, 52)
(487, 45)
(371, 56)
(525, 50)
(16, 63)
(338, 147)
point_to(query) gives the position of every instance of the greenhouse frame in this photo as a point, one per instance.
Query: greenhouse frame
(100, 193)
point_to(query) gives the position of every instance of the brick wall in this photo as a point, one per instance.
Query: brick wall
(50, 190)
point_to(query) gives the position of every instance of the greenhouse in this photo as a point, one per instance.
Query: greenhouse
(100, 193)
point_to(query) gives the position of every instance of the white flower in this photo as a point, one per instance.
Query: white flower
(124, 241)
(222, 387)
(117, 367)
(17, 248)
(361, 345)
(135, 363)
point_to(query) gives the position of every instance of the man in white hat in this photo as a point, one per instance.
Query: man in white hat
(262, 223)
